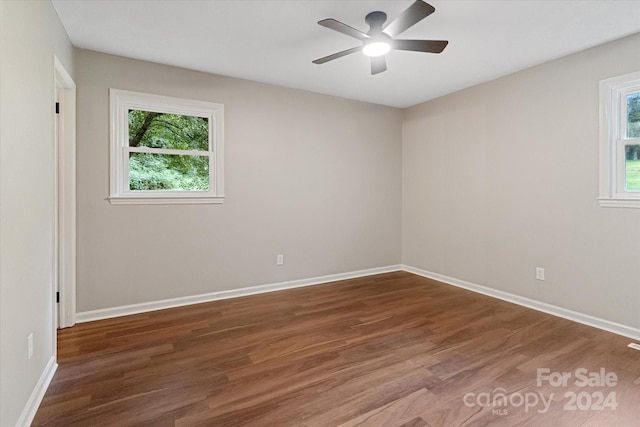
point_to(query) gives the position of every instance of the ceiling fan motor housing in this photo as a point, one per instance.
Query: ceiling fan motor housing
(375, 20)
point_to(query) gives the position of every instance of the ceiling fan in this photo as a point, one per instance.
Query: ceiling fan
(379, 40)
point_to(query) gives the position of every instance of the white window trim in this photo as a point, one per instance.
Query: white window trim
(121, 101)
(613, 111)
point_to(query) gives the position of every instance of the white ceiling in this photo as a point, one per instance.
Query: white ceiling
(274, 41)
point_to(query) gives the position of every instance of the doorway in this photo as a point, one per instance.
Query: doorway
(64, 268)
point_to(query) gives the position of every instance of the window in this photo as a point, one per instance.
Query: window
(165, 150)
(620, 141)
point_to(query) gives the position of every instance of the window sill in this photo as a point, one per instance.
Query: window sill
(134, 200)
(619, 203)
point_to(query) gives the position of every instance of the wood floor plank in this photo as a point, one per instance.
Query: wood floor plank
(404, 410)
(393, 350)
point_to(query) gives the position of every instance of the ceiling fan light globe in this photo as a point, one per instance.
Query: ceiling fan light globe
(376, 49)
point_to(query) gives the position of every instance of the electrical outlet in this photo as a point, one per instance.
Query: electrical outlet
(30, 346)
(539, 273)
(280, 259)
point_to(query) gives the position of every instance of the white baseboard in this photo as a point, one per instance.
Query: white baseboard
(575, 316)
(30, 409)
(106, 313)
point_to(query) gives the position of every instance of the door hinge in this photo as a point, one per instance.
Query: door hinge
(57, 108)
(58, 297)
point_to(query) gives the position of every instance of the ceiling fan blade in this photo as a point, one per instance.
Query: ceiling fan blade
(378, 64)
(343, 28)
(411, 16)
(337, 55)
(430, 46)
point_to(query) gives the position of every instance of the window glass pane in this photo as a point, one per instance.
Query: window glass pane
(633, 115)
(170, 131)
(168, 172)
(632, 169)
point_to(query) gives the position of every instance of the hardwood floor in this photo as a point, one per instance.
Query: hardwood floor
(387, 350)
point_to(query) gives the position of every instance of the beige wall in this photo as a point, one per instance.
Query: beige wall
(30, 35)
(503, 177)
(312, 177)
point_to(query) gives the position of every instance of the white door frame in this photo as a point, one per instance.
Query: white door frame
(65, 171)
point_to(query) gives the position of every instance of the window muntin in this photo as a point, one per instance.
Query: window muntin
(165, 150)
